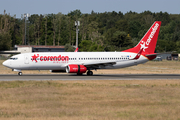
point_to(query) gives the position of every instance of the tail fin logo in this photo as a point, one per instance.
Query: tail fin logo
(145, 45)
(152, 34)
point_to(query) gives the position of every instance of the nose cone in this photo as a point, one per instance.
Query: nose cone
(6, 63)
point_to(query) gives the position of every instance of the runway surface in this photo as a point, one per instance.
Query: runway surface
(11, 77)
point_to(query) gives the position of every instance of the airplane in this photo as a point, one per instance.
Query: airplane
(82, 62)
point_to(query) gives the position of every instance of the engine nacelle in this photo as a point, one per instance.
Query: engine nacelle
(76, 68)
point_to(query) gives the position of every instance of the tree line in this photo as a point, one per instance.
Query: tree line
(108, 31)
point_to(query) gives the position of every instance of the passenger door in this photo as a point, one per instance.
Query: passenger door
(26, 59)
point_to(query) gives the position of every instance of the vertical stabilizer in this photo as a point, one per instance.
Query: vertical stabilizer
(149, 40)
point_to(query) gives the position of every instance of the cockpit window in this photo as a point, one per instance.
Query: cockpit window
(13, 58)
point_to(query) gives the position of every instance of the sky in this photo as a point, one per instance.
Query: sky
(19, 7)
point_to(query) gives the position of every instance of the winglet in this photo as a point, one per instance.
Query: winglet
(138, 55)
(76, 50)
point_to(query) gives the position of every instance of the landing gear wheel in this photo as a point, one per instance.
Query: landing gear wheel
(89, 73)
(20, 73)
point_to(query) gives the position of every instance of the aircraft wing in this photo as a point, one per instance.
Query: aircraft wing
(99, 65)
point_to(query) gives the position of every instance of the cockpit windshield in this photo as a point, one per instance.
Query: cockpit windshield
(13, 58)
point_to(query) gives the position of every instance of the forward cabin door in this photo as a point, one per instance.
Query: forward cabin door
(26, 59)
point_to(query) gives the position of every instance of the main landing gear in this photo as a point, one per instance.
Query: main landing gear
(89, 73)
(20, 73)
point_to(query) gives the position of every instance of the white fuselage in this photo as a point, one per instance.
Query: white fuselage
(60, 60)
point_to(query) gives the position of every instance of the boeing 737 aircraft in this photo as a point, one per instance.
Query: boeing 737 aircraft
(82, 62)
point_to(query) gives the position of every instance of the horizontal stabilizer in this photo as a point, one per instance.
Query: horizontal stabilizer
(148, 55)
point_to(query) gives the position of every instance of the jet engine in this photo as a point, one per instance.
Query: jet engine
(76, 69)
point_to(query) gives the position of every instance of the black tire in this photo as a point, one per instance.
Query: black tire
(89, 73)
(20, 73)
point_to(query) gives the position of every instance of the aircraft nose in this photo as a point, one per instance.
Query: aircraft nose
(5, 63)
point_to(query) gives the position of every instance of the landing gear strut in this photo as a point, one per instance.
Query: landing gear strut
(89, 73)
(20, 73)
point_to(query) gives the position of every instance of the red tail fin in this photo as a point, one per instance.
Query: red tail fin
(148, 42)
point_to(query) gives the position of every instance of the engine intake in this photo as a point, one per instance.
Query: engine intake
(76, 69)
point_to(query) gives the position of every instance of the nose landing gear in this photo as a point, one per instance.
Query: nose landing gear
(20, 73)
